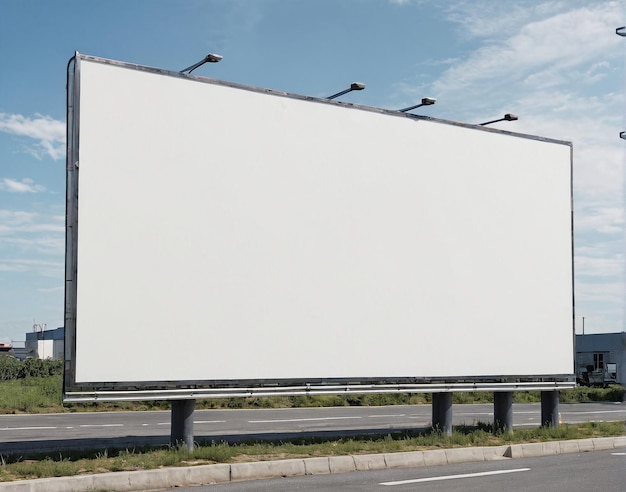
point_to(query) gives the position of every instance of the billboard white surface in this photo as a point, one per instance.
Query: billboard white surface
(233, 234)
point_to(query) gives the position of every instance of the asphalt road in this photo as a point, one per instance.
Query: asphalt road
(49, 432)
(584, 472)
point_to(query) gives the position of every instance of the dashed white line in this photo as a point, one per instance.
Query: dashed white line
(101, 425)
(299, 420)
(26, 428)
(454, 477)
(386, 416)
(596, 411)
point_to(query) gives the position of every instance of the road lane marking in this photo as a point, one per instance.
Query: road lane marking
(27, 428)
(454, 477)
(209, 421)
(595, 411)
(299, 420)
(386, 416)
(618, 454)
(101, 425)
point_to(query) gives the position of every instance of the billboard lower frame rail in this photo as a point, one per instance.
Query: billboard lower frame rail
(308, 390)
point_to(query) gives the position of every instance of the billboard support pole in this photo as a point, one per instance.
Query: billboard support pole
(442, 412)
(181, 433)
(550, 408)
(503, 411)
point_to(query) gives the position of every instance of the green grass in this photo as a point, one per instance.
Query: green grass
(83, 462)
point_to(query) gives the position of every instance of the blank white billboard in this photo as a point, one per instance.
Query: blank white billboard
(233, 234)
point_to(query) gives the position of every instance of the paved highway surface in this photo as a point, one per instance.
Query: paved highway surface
(46, 432)
(603, 471)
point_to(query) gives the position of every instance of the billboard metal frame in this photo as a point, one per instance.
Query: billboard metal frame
(75, 391)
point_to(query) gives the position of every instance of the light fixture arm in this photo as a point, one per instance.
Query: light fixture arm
(507, 117)
(355, 86)
(210, 58)
(426, 101)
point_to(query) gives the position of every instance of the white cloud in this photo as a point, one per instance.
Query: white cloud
(603, 220)
(29, 232)
(599, 267)
(27, 185)
(25, 236)
(532, 56)
(48, 133)
(46, 290)
(604, 291)
(41, 267)
(44, 244)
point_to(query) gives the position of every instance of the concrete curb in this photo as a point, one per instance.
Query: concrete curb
(221, 473)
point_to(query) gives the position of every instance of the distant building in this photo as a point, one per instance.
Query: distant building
(6, 348)
(45, 344)
(601, 359)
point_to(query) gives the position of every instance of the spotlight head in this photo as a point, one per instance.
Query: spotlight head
(213, 58)
(510, 117)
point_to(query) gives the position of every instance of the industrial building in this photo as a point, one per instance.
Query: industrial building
(45, 344)
(601, 359)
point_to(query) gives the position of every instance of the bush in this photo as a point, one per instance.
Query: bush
(12, 368)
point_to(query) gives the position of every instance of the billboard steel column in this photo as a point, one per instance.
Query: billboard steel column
(182, 423)
(442, 412)
(550, 408)
(503, 411)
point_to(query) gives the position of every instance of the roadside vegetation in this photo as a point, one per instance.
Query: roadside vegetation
(68, 463)
(35, 386)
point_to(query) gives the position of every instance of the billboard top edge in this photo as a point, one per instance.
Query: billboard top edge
(235, 85)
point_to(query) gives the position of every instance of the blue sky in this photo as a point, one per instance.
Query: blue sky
(557, 64)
